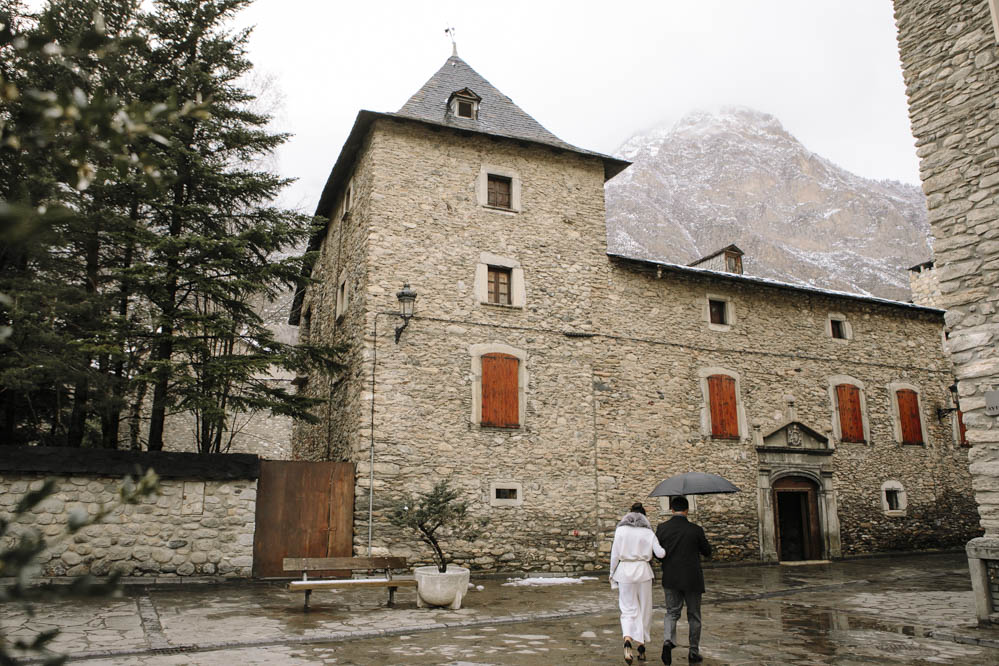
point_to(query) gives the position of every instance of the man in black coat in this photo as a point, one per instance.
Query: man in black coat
(683, 579)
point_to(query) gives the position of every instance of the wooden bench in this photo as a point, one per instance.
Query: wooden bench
(307, 564)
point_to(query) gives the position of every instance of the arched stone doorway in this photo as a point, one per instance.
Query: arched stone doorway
(796, 519)
(795, 484)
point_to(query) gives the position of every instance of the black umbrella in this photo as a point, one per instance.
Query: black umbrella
(693, 483)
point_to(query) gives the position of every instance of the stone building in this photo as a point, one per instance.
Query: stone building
(555, 384)
(948, 52)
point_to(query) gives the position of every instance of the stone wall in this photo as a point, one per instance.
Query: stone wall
(191, 527)
(343, 257)
(614, 353)
(948, 53)
(431, 231)
(779, 347)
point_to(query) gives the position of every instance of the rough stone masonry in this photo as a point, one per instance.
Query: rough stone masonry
(613, 359)
(948, 52)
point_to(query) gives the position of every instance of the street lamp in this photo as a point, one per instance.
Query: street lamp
(407, 304)
(944, 411)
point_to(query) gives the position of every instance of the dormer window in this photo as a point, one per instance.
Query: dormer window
(733, 262)
(464, 104)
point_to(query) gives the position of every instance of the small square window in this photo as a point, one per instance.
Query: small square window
(718, 311)
(892, 500)
(341, 299)
(464, 109)
(838, 330)
(499, 285)
(498, 193)
(506, 493)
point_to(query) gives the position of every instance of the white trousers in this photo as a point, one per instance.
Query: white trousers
(635, 600)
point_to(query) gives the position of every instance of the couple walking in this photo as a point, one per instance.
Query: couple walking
(678, 544)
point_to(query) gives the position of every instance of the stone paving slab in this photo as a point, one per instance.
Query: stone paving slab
(903, 610)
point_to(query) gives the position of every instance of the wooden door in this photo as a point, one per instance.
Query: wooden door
(796, 514)
(304, 509)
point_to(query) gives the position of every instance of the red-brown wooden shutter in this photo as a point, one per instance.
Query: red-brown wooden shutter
(908, 416)
(724, 417)
(962, 429)
(851, 421)
(500, 407)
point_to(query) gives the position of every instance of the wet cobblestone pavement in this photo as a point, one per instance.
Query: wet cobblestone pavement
(913, 609)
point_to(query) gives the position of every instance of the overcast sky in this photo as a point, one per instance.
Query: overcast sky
(594, 73)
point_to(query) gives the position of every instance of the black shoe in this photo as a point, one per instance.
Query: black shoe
(641, 653)
(667, 652)
(628, 656)
(694, 658)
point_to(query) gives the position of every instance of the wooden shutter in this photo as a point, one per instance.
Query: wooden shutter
(498, 191)
(962, 429)
(500, 389)
(724, 414)
(851, 421)
(908, 416)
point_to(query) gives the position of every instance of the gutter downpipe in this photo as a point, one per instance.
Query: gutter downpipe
(371, 446)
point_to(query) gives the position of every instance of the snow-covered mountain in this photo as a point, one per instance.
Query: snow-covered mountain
(737, 176)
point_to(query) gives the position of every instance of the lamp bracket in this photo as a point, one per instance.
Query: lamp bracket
(400, 329)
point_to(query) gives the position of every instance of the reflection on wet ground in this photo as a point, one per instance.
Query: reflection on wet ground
(897, 611)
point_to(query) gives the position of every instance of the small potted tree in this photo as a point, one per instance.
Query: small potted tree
(435, 515)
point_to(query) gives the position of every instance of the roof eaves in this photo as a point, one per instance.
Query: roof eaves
(736, 277)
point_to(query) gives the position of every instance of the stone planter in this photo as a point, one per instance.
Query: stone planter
(434, 588)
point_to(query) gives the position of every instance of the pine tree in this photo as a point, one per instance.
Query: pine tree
(63, 128)
(219, 241)
(135, 234)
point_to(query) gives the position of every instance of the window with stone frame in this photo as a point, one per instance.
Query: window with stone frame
(723, 408)
(718, 311)
(500, 391)
(908, 416)
(342, 296)
(499, 285)
(499, 191)
(892, 499)
(836, 326)
(851, 419)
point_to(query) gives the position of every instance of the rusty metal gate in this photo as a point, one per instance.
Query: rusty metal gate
(304, 509)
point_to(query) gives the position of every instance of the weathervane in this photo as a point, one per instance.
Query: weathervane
(450, 33)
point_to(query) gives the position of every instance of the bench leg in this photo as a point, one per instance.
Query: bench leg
(391, 602)
(308, 593)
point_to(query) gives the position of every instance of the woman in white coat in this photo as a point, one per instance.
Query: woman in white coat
(634, 545)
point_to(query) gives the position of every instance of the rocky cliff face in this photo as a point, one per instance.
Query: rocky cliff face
(739, 177)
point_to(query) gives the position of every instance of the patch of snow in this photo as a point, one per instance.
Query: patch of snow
(537, 582)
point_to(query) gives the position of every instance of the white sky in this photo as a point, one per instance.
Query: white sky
(594, 73)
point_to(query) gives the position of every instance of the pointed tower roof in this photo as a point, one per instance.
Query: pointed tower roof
(498, 115)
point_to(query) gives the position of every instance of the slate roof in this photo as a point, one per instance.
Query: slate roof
(665, 266)
(498, 115)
